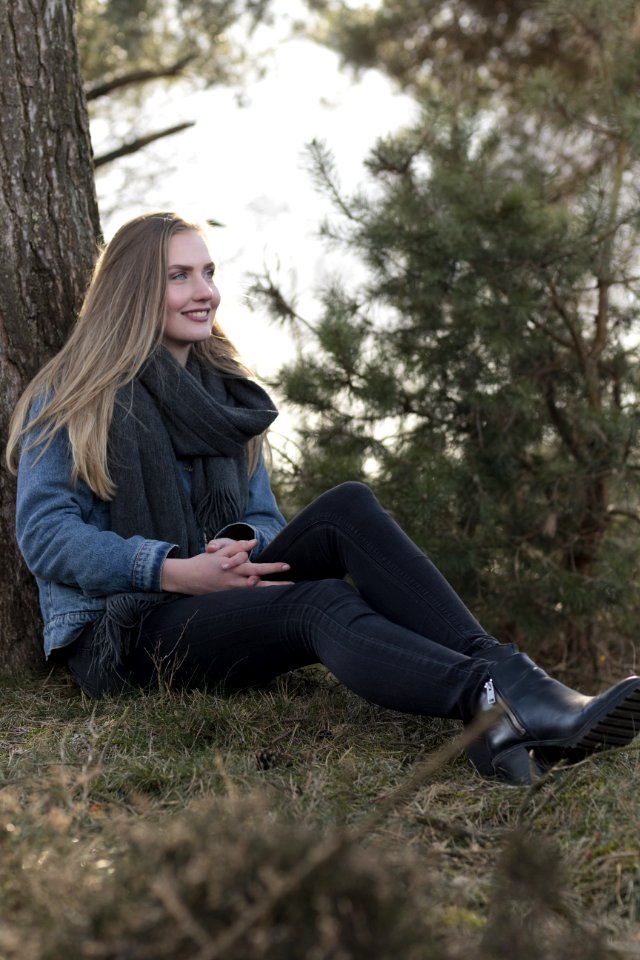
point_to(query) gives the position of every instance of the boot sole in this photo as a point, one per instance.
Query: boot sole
(617, 728)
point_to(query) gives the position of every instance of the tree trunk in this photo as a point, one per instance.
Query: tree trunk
(48, 230)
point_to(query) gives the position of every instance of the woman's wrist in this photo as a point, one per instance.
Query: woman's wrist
(170, 575)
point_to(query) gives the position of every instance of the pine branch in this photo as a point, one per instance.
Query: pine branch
(136, 77)
(562, 424)
(572, 117)
(574, 333)
(281, 308)
(549, 332)
(323, 171)
(602, 319)
(134, 145)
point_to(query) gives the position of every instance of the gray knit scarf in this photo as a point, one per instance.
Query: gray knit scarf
(171, 417)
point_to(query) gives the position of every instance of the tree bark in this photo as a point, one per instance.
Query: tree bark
(49, 227)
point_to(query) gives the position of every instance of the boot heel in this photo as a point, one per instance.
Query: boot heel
(480, 757)
(515, 765)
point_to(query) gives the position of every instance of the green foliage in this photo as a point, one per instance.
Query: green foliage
(482, 48)
(485, 376)
(119, 37)
(131, 52)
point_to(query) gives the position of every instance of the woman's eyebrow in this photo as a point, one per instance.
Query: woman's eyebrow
(190, 266)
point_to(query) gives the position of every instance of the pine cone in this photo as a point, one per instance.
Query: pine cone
(266, 758)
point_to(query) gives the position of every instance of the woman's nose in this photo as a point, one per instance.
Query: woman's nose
(205, 289)
(208, 291)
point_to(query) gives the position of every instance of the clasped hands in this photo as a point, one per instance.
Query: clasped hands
(224, 566)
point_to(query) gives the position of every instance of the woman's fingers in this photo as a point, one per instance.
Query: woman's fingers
(229, 547)
(257, 582)
(263, 569)
(250, 574)
(236, 560)
(224, 569)
(275, 583)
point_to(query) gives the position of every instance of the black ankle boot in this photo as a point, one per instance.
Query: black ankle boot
(544, 721)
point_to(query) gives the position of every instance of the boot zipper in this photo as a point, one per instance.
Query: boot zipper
(492, 699)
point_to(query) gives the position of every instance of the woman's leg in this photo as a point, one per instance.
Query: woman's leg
(400, 640)
(241, 638)
(346, 531)
(244, 637)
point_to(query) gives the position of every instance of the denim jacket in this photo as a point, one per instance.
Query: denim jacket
(63, 533)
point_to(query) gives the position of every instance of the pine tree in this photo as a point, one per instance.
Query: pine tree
(426, 45)
(484, 378)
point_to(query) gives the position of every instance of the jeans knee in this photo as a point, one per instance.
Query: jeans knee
(350, 495)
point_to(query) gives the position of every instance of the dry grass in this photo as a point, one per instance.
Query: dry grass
(167, 825)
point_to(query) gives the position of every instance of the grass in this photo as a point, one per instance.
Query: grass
(161, 824)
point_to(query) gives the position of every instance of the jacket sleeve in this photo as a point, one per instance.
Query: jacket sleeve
(262, 518)
(61, 529)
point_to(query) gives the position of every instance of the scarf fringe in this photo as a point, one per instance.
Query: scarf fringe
(216, 510)
(121, 624)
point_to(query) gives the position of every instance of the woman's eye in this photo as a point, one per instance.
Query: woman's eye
(178, 276)
(209, 274)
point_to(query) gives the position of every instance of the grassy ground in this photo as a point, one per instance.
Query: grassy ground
(266, 825)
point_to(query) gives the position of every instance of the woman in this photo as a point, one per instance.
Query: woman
(145, 512)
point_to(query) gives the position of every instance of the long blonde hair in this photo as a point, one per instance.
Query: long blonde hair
(119, 325)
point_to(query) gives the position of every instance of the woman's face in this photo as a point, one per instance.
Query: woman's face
(192, 296)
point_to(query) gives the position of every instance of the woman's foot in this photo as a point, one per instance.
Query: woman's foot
(544, 722)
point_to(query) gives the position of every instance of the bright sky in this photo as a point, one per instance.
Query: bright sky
(246, 167)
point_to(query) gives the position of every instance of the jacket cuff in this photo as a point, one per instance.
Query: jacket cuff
(147, 565)
(237, 531)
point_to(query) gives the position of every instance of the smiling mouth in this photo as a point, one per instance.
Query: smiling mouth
(197, 314)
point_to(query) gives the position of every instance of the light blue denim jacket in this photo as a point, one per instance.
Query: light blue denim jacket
(63, 533)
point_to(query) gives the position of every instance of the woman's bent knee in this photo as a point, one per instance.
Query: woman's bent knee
(348, 495)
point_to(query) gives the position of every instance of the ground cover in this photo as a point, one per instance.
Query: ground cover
(299, 822)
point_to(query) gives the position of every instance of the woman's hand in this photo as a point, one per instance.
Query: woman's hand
(214, 545)
(225, 566)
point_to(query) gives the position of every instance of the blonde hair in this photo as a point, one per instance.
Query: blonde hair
(119, 325)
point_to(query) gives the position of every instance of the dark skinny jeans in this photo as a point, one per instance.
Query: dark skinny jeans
(399, 636)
